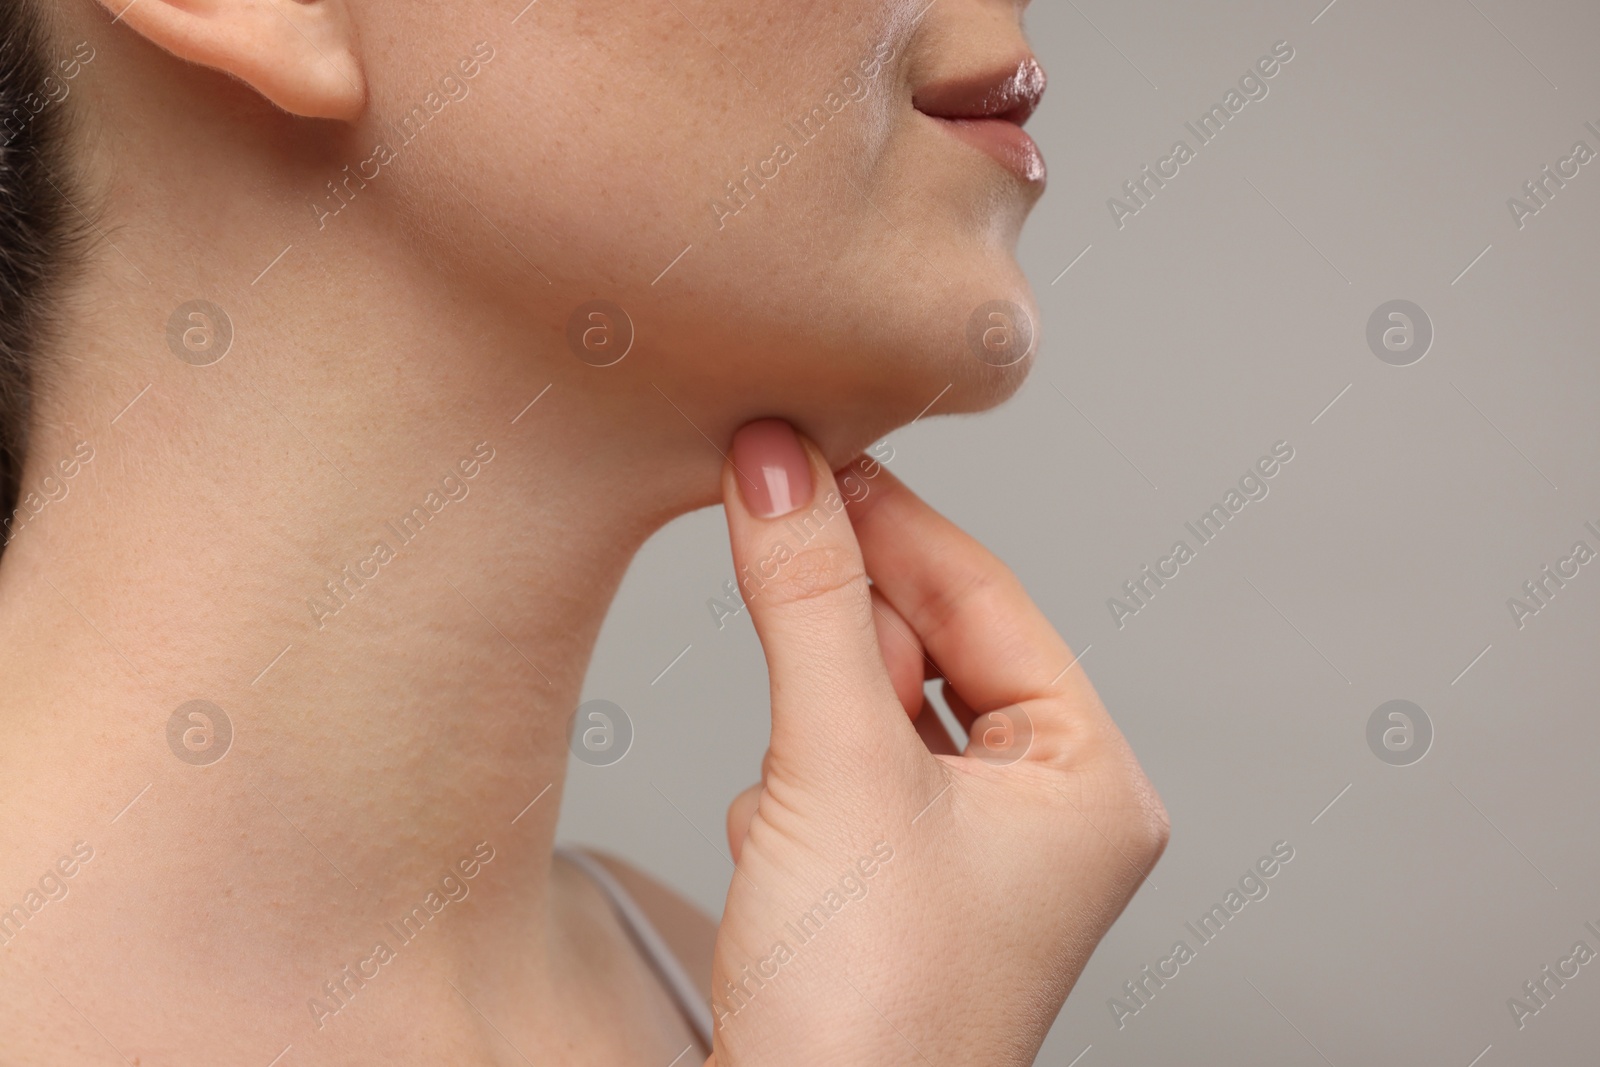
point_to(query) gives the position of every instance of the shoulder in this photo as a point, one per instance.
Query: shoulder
(688, 931)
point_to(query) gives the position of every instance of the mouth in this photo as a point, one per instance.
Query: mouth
(987, 110)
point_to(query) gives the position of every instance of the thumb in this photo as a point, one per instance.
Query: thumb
(801, 574)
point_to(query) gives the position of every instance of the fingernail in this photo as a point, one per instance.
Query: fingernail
(773, 472)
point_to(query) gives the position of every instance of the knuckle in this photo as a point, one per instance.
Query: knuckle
(818, 574)
(1138, 820)
(1157, 823)
(944, 605)
(1144, 817)
(974, 575)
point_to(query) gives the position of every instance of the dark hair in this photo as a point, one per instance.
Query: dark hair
(38, 226)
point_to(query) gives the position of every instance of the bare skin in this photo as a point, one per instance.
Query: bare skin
(689, 932)
(394, 715)
(870, 829)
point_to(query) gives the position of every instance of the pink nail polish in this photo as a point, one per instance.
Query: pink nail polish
(772, 470)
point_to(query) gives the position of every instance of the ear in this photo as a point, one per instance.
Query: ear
(300, 54)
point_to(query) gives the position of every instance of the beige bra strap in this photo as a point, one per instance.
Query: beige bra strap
(696, 1011)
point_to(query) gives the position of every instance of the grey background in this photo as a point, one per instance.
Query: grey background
(1223, 318)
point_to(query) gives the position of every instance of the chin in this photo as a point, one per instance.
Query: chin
(979, 344)
(937, 365)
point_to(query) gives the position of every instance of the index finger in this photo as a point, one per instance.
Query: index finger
(974, 618)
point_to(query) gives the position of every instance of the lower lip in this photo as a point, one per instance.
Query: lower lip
(1007, 142)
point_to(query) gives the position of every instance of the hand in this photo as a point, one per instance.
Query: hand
(893, 901)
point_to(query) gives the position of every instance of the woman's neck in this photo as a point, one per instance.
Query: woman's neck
(386, 570)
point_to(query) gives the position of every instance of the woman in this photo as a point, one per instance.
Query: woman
(353, 348)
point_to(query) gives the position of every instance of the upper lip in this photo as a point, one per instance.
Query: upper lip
(1009, 93)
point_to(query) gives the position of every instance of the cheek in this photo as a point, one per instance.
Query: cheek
(579, 96)
(616, 130)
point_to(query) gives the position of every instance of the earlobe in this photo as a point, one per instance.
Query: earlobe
(300, 54)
